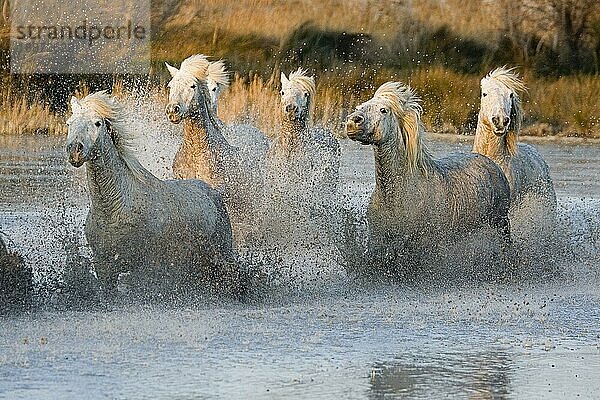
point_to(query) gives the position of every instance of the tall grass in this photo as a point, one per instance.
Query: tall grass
(20, 115)
(569, 105)
(572, 104)
(450, 102)
(442, 48)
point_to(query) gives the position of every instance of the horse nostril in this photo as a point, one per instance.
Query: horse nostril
(506, 121)
(495, 120)
(290, 108)
(176, 108)
(79, 146)
(357, 119)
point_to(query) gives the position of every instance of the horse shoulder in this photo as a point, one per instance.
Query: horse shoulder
(531, 174)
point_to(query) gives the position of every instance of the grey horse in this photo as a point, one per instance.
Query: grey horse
(205, 152)
(533, 199)
(422, 206)
(166, 234)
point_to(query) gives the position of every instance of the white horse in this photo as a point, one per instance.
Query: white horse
(297, 135)
(205, 152)
(420, 204)
(165, 233)
(533, 200)
(303, 162)
(217, 80)
(247, 137)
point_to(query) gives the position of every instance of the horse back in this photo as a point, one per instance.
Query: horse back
(528, 173)
(475, 187)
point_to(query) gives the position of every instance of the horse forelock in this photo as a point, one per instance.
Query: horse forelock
(108, 108)
(508, 78)
(196, 65)
(401, 99)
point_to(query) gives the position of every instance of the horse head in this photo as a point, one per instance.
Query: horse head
(297, 95)
(392, 113)
(187, 88)
(392, 118)
(217, 80)
(85, 127)
(500, 103)
(371, 123)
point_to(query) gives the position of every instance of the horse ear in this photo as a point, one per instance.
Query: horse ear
(75, 105)
(172, 70)
(284, 80)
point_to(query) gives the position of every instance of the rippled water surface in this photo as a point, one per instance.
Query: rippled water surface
(336, 340)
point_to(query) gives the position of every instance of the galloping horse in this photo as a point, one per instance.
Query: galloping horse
(168, 234)
(420, 203)
(533, 200)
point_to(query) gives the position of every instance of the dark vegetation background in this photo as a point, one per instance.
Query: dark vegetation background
(442, 48)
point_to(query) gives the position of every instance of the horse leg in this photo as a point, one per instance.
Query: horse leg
(508, 252)
(105, 272)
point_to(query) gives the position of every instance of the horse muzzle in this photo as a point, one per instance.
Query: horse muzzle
(76, 155)
(355, 129)
(174, 113)
(292, 116)
(500, 125)
(359, 135)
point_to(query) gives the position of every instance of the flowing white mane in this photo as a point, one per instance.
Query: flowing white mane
(217, 72)
(406, 107)
(106, 107)
(508, 78)
(197, 66)
(300, 79)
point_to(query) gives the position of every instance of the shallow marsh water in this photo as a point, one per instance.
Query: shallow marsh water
(338, 340)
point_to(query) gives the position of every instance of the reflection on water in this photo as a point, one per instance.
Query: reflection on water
(338, 341)
(477, 376)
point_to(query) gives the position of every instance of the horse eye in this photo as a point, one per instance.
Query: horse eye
(214, 89)
(306, 94)
(383, 110)
(193, 86)
(511, 95)
(484, 94)
(281, 93)
(98, 123)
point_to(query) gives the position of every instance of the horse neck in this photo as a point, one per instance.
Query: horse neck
(110, 181)
(392, 173)
(489, 144)
(293, 135)
(203, 131)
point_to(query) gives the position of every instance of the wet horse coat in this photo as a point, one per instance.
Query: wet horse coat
(168, 234)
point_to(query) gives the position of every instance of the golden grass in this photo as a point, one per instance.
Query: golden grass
(279, 18)
(225, 28)
(568, 106)
(450, 100)
(245, 103)
(20, 116)
(572, 103)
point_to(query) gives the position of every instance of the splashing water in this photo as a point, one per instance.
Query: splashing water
(304, 228)
(313, 332)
